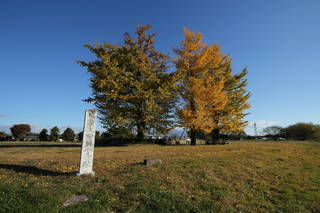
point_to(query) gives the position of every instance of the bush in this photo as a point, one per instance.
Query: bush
(303, 131)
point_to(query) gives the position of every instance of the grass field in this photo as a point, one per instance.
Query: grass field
(239, 177)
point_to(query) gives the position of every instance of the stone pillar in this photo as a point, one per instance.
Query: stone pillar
(89, 131)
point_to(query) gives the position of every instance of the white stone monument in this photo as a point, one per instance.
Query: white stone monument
(89, 131)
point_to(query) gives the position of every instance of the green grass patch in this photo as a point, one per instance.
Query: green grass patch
(239, 177)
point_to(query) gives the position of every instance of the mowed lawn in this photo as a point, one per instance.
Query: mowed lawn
(239, 177)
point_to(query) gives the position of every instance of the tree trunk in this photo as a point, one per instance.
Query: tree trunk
(193, 137)
(215, 136)
(141, 128)
(192, 130)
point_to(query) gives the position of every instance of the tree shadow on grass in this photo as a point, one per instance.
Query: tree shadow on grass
(39, 145)
(35, 170)
(59, 145)
(98, 143)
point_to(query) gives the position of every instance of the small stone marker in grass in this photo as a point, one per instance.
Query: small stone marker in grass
(75, 199)
(151, 162)
(89, 131)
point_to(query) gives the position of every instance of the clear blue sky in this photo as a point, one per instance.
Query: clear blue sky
(40, 83)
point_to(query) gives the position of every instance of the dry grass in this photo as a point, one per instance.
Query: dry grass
(242, 176)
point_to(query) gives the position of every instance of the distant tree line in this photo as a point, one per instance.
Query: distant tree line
(20, 132)
(67, 135)
(300, 131)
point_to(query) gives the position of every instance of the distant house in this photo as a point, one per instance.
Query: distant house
(31, 137)
(3, 136)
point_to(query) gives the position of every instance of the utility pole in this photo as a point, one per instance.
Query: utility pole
(255, 129)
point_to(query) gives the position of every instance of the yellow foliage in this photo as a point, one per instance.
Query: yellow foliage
(209, 98)
(215, 98)
(203, 90)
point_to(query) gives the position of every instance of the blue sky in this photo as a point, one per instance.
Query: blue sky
(40, 83)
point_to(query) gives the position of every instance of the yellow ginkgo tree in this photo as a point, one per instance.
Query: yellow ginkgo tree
(213, 98)
(202, 91)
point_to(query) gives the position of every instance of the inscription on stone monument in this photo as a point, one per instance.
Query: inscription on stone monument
(89, 131)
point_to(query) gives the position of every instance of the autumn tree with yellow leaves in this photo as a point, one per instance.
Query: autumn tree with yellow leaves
(214, 99)
(130, 84)
(232, 117)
